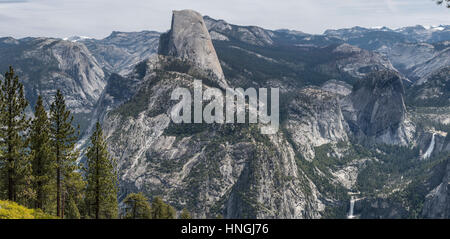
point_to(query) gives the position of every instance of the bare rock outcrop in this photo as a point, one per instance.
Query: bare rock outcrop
(314, 119)
(189, 39)
(437, 202)
(376, 109)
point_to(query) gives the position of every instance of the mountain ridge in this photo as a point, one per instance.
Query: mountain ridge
(345, 124)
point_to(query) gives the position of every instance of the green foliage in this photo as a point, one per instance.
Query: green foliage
(161, 210)
(139, 102)
(401, 177)
(322, 178)
(177, 65)
(137, 207)
(438, 81)
(185, 214)
(425, 123)
(297, 66)
(71, 209)
(41, 170)
(14, 167)
(12, 210)
(318, 170)
(73, 195)
(101, 176)
(185, 130)
(412, 198)
(141, 69)
(338, 211)
(63, 138)
(118, 87)
(41, 155)
(393, 161)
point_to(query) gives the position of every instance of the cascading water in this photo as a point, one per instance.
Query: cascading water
(430, 149)
(352, 206)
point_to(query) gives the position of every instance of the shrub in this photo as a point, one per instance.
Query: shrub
(12, 210)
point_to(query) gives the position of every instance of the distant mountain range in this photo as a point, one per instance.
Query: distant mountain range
(359, 107)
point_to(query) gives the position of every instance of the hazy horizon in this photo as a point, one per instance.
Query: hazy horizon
(98, 18)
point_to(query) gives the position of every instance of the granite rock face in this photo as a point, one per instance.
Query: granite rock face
(437, 202)
(433, 91)
(189, 39)
(314, 119)
(376, 109)
(360, 62)
(418, 61)
(121, 51)
(338, 87)
(229, 170)
(47, 64)
(223, 31)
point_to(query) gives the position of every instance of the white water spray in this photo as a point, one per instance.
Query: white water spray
(430, 149)
(352, 206)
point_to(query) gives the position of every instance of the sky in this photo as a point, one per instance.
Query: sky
(98, 18)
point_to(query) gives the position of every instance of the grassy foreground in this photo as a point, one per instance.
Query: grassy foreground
(12, 210)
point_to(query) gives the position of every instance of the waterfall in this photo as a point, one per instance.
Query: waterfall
(430, 149)
(352, 206)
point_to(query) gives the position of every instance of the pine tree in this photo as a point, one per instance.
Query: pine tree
(72, 211)
(41, 155)
(13, 128)
(73, 195)
(161, 210)
(137, 207)
(101, 177)
(185, 214)
(63, 138)
(171, 213)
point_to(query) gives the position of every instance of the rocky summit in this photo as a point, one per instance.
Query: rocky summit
(189, 39)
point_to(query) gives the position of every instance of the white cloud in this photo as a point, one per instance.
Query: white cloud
(97, 18)
(12, 1)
